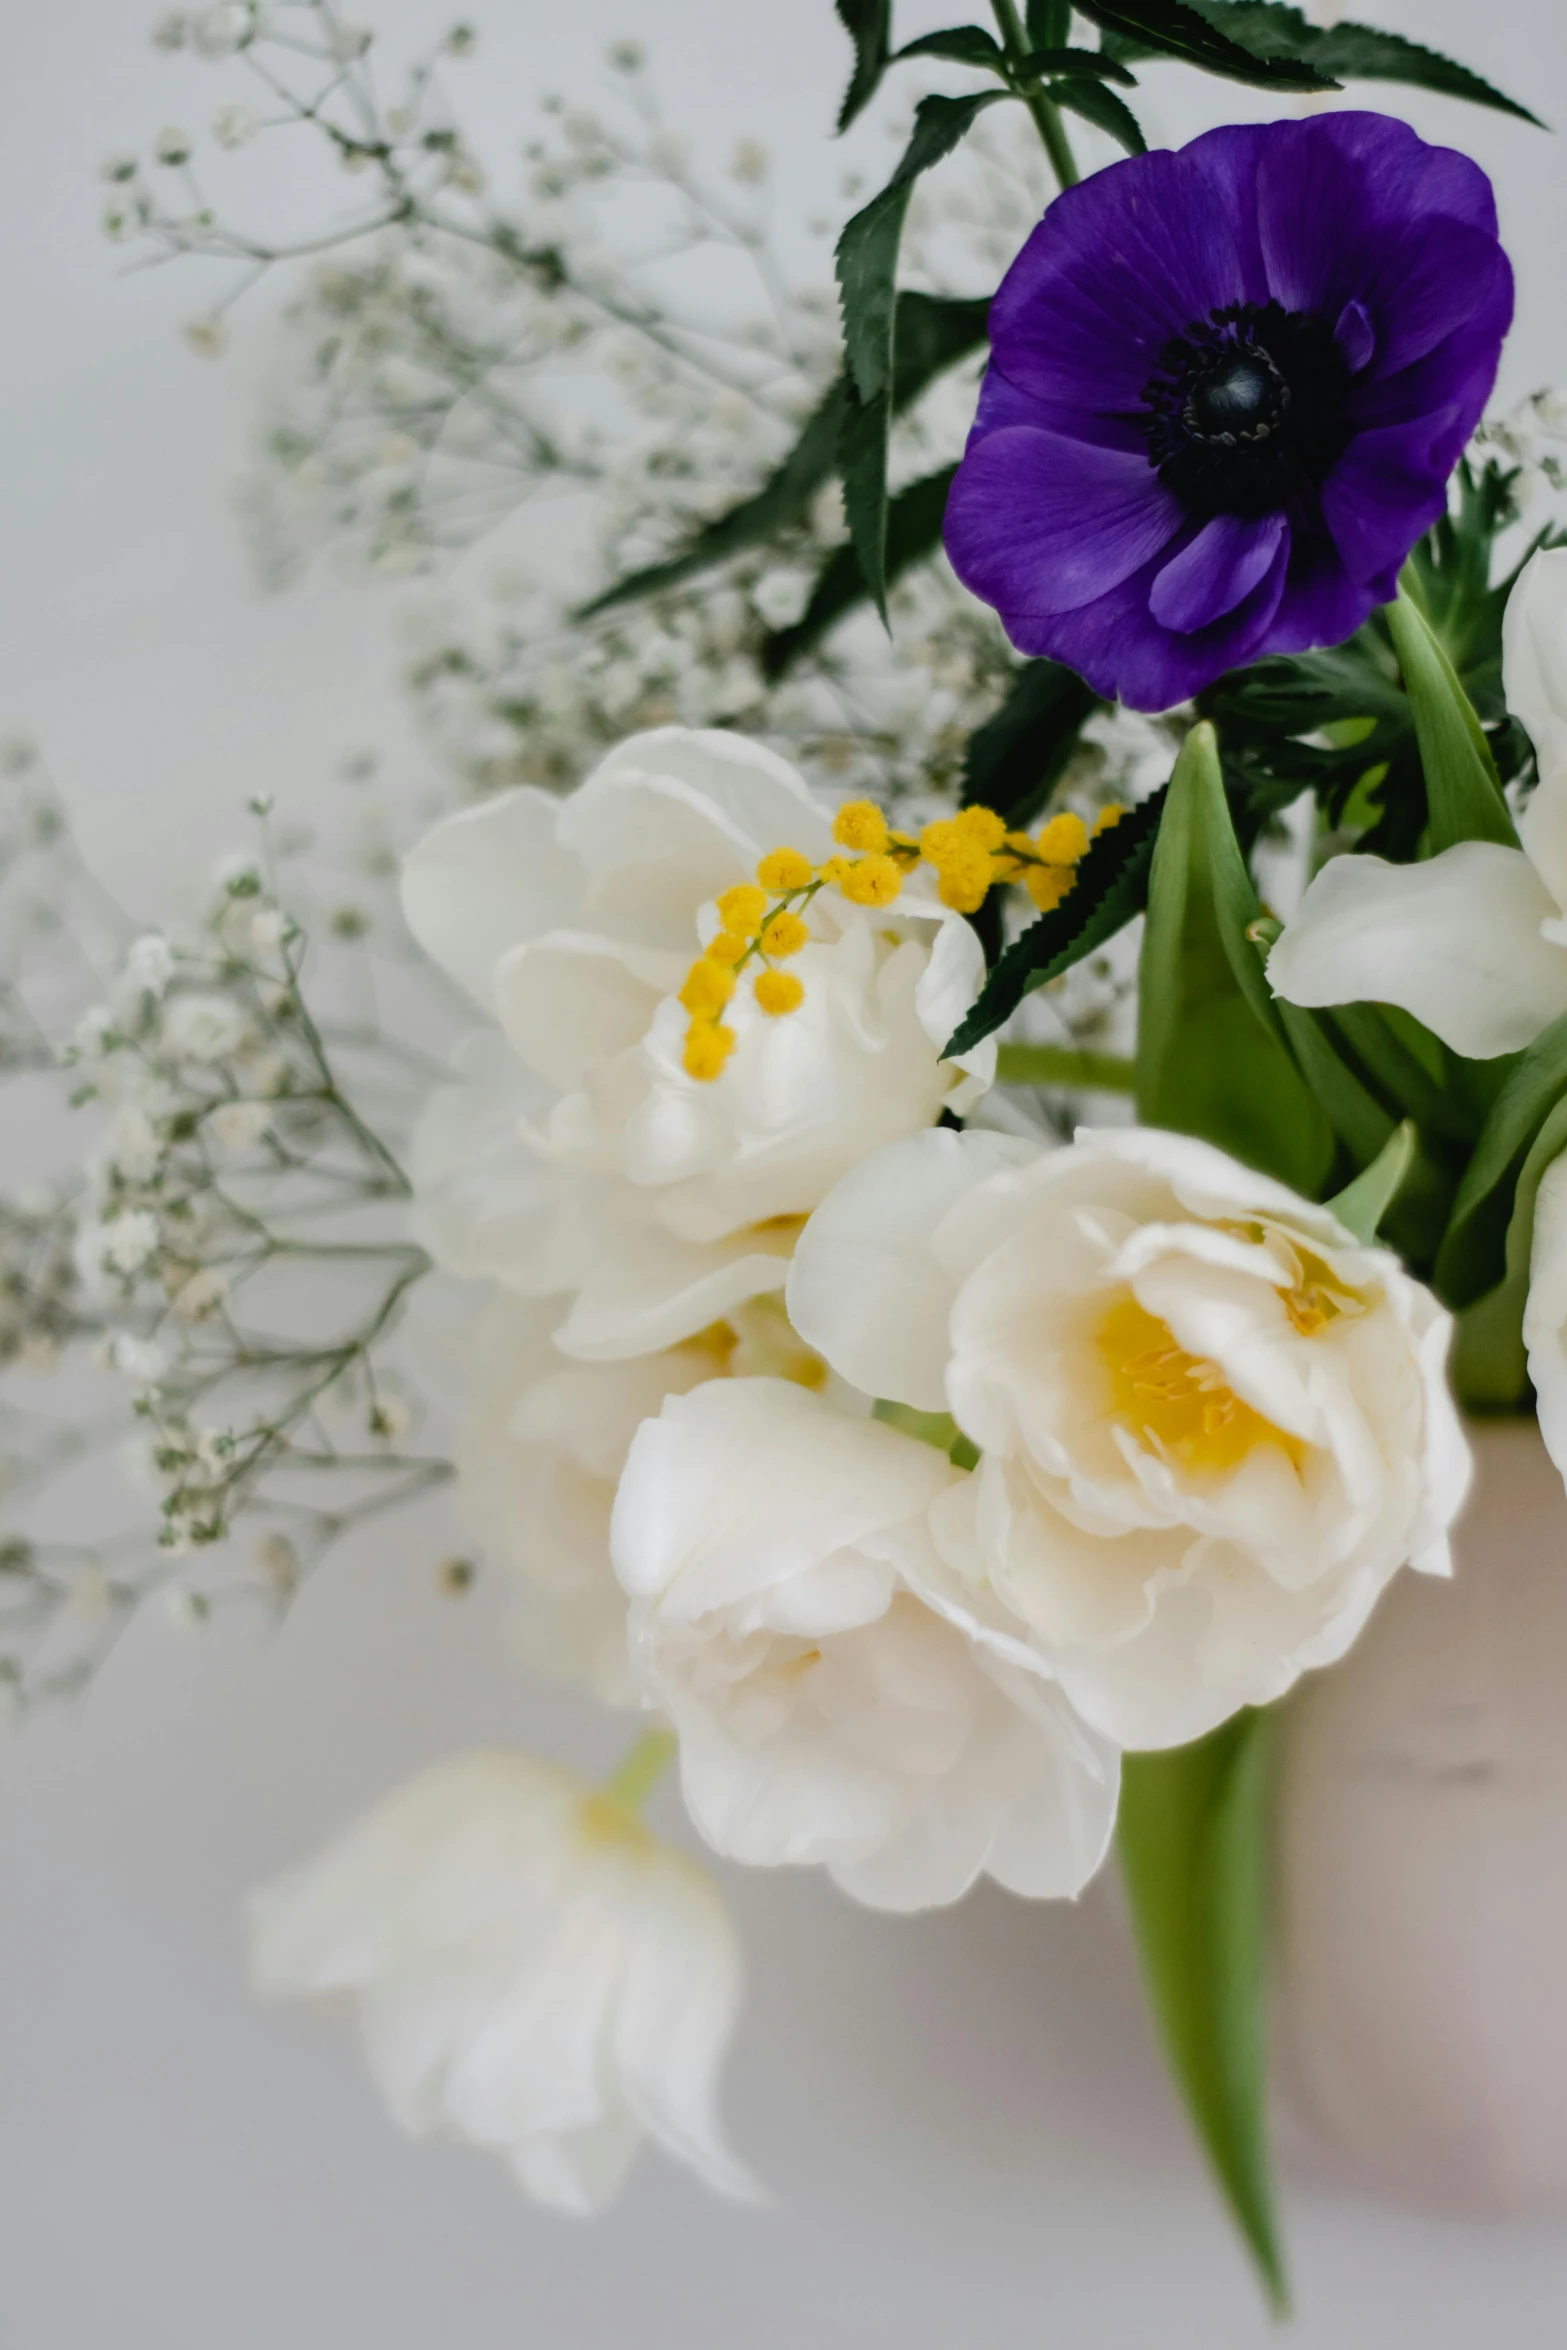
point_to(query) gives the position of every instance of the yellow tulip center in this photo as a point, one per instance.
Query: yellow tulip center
(1179, 1405)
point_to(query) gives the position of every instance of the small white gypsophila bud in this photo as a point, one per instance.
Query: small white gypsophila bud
(208, 337)
(349, 41)
(150, 963)
(141, 1360)
(117, 169)
(268, 929)
(206, 1027)
(749, 162)
(235, 125)
(201, 1296)
(1552, 409)
(460, 41)
(627, 56)
(235, 1126)
(171, 30)
(389, 1418)
(172, 146)
(219, 32)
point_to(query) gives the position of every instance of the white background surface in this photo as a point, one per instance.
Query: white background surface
(962, 2116)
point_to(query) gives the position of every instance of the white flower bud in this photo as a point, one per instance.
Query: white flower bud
(150, 963)
(172, 147)
(219, 32)
(235, 125)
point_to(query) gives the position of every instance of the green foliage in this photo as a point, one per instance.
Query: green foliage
(1111, 887)
(869, 26)
(932, 333)
(1362, 1204)
(1048, 22)
(1171, 28)
(1211, 1053)
(1014, 761)
(1473, 1257)
(1193, 1839)
(1097, 63)
(913, 529)
(966, 44)
(1103, 109)
(1351, 52)
(1463, 791)
(867, 262)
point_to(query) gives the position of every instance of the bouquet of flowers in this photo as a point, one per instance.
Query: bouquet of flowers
(962, 1303)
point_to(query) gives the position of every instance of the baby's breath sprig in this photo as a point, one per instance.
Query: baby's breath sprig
(762, 922)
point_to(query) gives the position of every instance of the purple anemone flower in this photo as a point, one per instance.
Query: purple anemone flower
(1227, 387)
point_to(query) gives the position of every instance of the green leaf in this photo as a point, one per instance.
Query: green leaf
(913, 528)
(1193, 1845)
(1361, 1121)
(867, 264)
(966, 44)
(1169, 28)
(867, 257)
(1354, 52)
(932, 333)
(1014, 761)
(1473, 1256)
(776, 506)
(1490, 1360)
(1463, 792)
(1111, 887)
(1094, 62)
(1361, 1205)
(1103, 109)
(1048, 22)
(1064, 1064)
(869, 26)
(1211, 1053)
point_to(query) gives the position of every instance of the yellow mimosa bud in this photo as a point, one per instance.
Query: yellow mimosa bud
(742, 907)
(786, 934)
(860, 824)
(784, 870)
(778, 992)
(708, 988)
(708, 1047)
(1063, 840)
(871, 881)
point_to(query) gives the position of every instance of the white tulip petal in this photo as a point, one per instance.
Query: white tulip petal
(1545, 1315)
(487, 879)
(646, 1290)
(865, 1288)
(1455, 940)
(948, 988)
(567, 1000)
(751, 795)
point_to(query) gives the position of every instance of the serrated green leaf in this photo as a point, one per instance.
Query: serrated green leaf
(1472, 1258)
(1094, 62)
(1111, 887)
(1193, 1840)
(1211, 1053)
(1354, 52)
(1014, 761)
(1362, 1204)
(867, 256)
(932, 332)
(869, 26)
(1170, 28)
(863, 441)
(1048, 22)
(914, 519)
(1103, 109)
(965, 44)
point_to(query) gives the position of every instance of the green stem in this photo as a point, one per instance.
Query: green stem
(1058, 1064)
(1046, 114)
(635, 1777)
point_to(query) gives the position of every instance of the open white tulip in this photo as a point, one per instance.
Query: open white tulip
(774, 1548)
(1473, 941)
(543, 1445)
(533, 1972)
(1211, 1424)
(581, 1161)
(1545, 1314)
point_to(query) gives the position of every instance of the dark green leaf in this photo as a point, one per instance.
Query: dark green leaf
(1193, 1839)
(914, 519)
(1211, 1054)
(1014, 761)
(1490, 1360)
(862, 466)
(1076, 61)
(965, 44)
(1362, 1204)
(1354, 52)
(869, 26)
(1463, 791)
(867, 256)
(933, 332)
(1111, 887)
(1048, 22)
(1170, 28)
(1352, 1108)
(1103, 109)
(1473, 1254)
(776, 506)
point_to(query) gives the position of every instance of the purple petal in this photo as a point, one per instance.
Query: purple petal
(1321, 604)
(1002, 402)
(1387, 488)
(1219, 569)
(1125, 655)
(1355, 336)
(1037, 524)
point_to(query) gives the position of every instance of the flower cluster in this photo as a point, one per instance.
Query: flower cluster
(763, 922)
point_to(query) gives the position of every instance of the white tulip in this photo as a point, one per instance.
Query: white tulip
(582, 1161)
(543, 1445)
(1473, 942)
(533, 1972)
(774, 1548)
(1545, 1314)
(1211, 1425)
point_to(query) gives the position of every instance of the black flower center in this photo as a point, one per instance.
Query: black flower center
(1246, 410)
